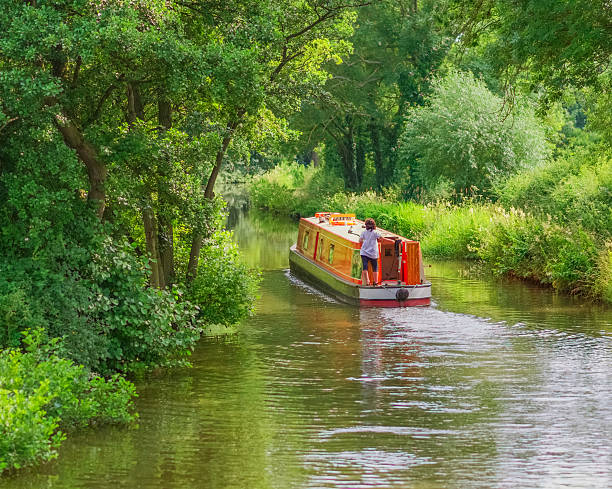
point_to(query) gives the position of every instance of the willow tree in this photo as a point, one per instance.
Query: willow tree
(464, 139)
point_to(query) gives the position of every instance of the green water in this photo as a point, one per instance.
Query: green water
(499, 385)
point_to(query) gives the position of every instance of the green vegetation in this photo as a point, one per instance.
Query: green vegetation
(483, 130)
(40, 391)
(547, 245)
(458, 140)
(116, 119)
(480, 129)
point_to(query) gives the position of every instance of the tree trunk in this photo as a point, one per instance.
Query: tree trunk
(314, 157)
(360, 159)
(196, 241)
(148, 220)
(210, 185)
(135, 109)
(346, 148)
(96, 169)
(135, 112)
(194, 255)
(166, 250)
(378, 157)
(166, 231)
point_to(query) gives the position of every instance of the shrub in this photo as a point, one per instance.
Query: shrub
(101, 306)
(602, 280)
(224, 288)
(144, 327)
(40, 392)
(573, 189)
(272, 196)
(527, 247)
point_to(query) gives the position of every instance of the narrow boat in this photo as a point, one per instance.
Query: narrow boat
(327, 255)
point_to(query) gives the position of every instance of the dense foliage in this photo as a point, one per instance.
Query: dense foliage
(40, 391)
(224, 283)
(461, 140)
(503, 106)
(116, 119)
(575, 189)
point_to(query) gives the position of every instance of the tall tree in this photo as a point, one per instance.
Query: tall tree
(398, 47)
(558, 43)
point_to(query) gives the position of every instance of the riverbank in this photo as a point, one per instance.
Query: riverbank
(535, 244)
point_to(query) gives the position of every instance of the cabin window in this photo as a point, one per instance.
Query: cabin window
(305, 242)
(321, 249)
(330, 257)
(356, 265)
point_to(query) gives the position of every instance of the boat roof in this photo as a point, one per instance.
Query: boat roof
(347, 231)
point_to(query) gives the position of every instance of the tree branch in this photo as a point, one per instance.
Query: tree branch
(322, 18)
(283, 62)
(100, 104)
(8, 122)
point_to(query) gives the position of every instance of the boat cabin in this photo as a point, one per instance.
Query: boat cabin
(331, 240)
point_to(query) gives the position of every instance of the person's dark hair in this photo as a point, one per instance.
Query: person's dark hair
(370, 224)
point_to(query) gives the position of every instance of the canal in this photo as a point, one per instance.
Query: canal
(500, 384)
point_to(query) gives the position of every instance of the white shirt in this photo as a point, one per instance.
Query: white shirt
(369, 246)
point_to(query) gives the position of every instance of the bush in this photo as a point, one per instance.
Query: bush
(144, 327)
(40, 392)
(101, 306)
(602, 281)
(530, 248)
(225, 288)
(573, 189)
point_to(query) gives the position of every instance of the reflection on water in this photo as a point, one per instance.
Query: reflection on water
(264, 241)
(501, 385)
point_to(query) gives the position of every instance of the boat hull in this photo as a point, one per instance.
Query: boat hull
(381, 296)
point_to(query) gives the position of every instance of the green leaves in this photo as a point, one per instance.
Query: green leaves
(464, 137)
(225, 288)
(40, 392)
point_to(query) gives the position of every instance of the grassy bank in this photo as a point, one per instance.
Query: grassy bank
(540, 242)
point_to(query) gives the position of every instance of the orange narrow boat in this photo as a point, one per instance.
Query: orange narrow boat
(327, 255)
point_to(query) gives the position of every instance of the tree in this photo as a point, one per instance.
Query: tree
(271, 57)
(115, 120)
(463, 137)
(398, 47)
(558, 43)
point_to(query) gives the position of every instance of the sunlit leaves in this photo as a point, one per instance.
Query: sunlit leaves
(465, 137)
